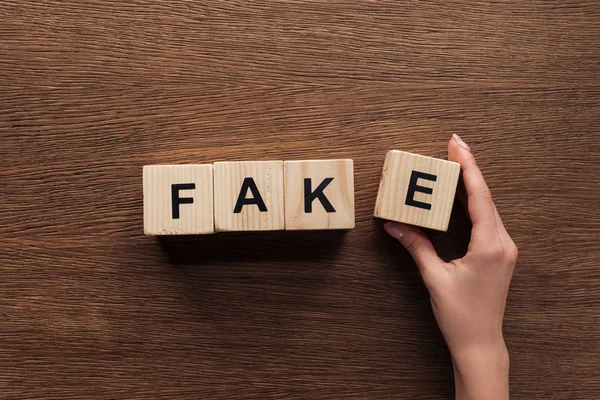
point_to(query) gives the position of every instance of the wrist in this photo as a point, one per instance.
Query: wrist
(494, 353)
(481, 372)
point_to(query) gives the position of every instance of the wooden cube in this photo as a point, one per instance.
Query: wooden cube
(417, 190)
(178, 199)
(249, 196)
(319, 194)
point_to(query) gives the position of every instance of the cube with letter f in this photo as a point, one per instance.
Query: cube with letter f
(178, 199)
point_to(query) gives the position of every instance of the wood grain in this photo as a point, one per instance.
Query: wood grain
(92, 90)
(426, 201)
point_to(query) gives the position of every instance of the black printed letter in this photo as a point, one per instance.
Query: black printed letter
(256, 199)
(413, 187)
(309, 196)
(176, 200)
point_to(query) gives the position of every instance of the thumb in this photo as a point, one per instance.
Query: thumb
(418, 245)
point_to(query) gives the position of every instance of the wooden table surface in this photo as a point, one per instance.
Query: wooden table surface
(93, 90)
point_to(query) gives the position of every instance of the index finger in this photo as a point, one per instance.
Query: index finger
(479, 198)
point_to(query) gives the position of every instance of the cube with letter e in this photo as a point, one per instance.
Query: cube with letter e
(417, 190)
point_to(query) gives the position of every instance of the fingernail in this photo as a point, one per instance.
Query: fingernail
(393, 230)
(460, 142)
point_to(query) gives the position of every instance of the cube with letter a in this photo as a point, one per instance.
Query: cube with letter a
(178, 199)
(417, 190)
(319, 194)
(249, 196)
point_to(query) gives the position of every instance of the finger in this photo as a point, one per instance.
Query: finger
(502, 232)
(461, 194)
(479, 199)
(499, 223)
(418, 245)
(512, 252)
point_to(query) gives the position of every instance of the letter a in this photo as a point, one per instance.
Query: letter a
(256, 199)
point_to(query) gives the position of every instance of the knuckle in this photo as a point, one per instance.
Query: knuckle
(413, 244)
(485, 193)
(495, 251)
(512, 253)
(481, 192)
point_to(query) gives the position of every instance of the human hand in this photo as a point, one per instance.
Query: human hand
(468, 295)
